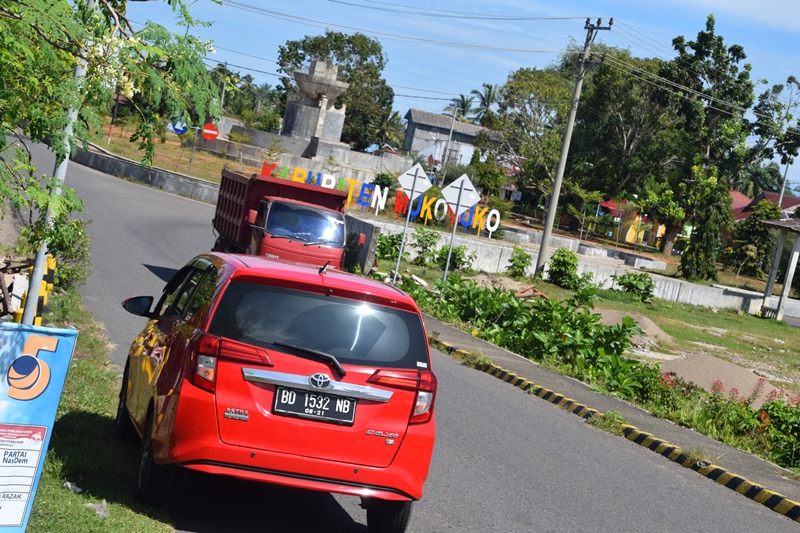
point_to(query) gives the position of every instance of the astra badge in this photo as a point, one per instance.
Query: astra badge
(319, 381)
(236, 414)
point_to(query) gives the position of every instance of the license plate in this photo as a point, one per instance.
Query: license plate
(306, 404)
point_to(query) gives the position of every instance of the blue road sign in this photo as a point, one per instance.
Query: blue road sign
(179, 126)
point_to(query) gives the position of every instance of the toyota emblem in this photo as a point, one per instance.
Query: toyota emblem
(319, 381)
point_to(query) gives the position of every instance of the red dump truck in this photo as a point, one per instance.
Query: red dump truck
(280, 218)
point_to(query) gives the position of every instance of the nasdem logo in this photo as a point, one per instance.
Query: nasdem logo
(29, 376)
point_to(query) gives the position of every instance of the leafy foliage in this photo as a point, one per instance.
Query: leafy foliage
(460, 258)
(42, 41)
(782, 422)
(531, 108)
(425, 244)
(384, 181)
(640, 284)
(68, 243)
(753, 242)
(519, 262)
(388, 247)
(713, 208)
(563, 270)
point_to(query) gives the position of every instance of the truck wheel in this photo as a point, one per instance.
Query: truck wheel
(123, 425)
(153, 481)
(384, 516)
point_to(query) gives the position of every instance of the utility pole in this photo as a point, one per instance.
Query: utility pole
(591, 33)
(59, 174)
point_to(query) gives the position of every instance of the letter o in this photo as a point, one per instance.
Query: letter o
(492, 227)
(441, 202)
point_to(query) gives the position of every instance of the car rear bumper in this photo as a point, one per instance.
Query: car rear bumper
(197, 446)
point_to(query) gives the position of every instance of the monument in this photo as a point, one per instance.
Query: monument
(313, 114)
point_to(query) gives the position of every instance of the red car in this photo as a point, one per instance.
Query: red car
(282, 373)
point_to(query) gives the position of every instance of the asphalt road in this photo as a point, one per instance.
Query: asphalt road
(504, 461)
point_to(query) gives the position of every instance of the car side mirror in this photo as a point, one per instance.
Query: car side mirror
(139, 305)
(252, 215)
(362, 238)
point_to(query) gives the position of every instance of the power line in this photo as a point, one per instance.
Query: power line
(441, 13)
(391, 36)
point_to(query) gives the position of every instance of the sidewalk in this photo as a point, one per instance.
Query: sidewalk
(737, 462)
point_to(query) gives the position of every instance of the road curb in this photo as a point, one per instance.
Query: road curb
(770, 499)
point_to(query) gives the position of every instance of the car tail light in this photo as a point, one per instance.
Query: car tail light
(205, 352)
(400, 379)
(423, 382)
(423, 407)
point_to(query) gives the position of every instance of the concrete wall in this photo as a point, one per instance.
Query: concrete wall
(161, 179)
(313, 155)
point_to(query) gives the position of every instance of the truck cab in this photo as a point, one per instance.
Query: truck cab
(298, 231)
(281, 219)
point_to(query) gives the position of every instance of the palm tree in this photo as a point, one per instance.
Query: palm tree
(390, 129)
(486, 100)
(758, 177)
(462, 107)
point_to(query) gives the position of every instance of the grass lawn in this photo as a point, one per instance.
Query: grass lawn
(170, 155)
(83, 449)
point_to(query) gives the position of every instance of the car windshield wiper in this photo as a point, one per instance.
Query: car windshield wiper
(320, 356)
(312, 243)
(290, 237)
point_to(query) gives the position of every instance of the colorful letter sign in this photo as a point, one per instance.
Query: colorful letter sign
(33, 366)
(415, 178)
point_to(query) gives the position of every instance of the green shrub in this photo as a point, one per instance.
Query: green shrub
(425, 244)
(68, 244)
(383, 180)
(388, 247)
(460, 258)
(781, 421)
(518, 263)
(563, 270)
(637, 283)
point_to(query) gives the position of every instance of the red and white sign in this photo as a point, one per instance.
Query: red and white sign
(210, 132)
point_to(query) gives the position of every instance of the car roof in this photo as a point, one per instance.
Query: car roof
(290, 273)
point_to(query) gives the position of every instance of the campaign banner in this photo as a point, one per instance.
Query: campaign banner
(33, 367)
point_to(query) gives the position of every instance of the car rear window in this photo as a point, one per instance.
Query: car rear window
(354, 332)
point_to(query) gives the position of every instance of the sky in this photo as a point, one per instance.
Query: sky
(439, 49)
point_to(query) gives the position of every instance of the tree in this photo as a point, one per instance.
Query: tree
(390, 129)
(486, 173)
(462, 107)
(712, 94)
(486, 99)
(361, 61)
(758, 177)
(711, 203)
(531, 110)
(776, 137)
(162, 74)
(753, 242)
(639, 227)
(586, 197)
(664, 207)
(622, 128)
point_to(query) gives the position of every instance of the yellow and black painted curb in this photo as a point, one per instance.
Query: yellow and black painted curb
(768, 498)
